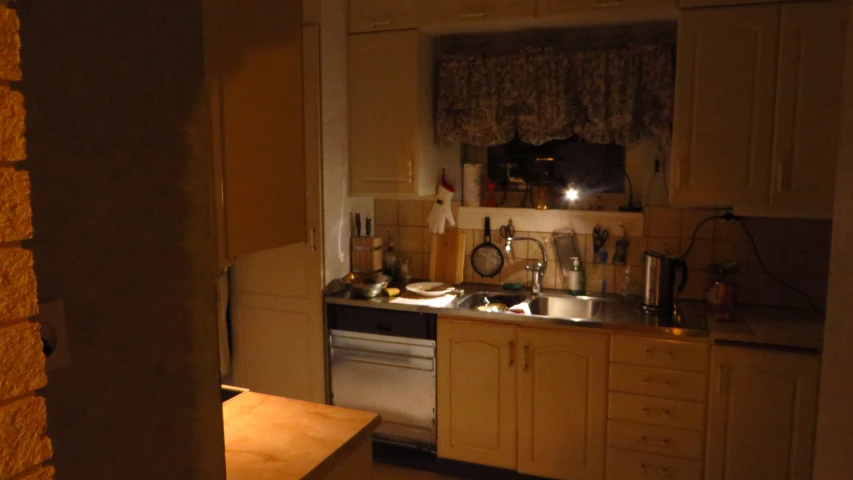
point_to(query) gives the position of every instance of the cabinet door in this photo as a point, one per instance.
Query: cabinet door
(454, 11)
(377, 15)
(383, 99)
(562, 401)
(253, 56)
(477, 393)
(724, 94)
(761, 414)
(808, 107)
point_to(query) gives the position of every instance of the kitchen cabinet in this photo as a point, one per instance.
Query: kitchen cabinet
(757, 108)
(253, 61)
(808, 106)
(477, 392)
(548, 8)
(761, 414)
(562, 400)
(378, 15)
(552, 422)
(724, 99)
(391, 97)
(456, 11)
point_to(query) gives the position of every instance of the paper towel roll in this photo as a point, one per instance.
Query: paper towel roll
(472, 181)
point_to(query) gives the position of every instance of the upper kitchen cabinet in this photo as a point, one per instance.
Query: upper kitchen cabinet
(476, 388)
(391, 98)
(456, 11)
(253, 57)
(724, 99)
(562, 404)
(808, 106)
(757, 108)
(377, 15)
(761, 417)
(548, 8)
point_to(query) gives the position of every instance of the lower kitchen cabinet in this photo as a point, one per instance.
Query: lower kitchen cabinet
(529, 399)
(562, 404)
(762, 413)
(477, 393)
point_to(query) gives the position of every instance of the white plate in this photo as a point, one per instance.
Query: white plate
(422, 287)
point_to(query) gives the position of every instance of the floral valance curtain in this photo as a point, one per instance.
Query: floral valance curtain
(602, 96)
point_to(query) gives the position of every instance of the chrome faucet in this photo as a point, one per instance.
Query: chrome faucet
(538, 269)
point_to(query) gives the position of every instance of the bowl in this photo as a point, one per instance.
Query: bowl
(365, 285)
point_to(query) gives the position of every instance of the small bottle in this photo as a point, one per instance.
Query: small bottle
(577, 280)
(625, 291)
(389, 260)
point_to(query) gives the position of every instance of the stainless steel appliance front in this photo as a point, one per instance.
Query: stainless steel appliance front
(389, 375)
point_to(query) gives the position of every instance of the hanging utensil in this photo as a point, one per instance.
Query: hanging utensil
(357, 224)
(620, 256)
(487, 259)
(599, 238)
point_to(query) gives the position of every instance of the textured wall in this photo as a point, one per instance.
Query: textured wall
(23, 443)
(118, 147)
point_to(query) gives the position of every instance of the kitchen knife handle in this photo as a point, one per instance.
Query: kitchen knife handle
(357, 224)
(368, 226)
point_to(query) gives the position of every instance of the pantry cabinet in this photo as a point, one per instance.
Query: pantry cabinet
(761, 414)
(560, 398)
(757, 99)
(392, 133)
(562, 404)
(253, 62)
(477, 393)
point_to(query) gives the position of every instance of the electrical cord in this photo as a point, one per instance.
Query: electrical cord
(728, 216)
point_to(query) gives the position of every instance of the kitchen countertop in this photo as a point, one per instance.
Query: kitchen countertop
(275, 437)
(783, 327)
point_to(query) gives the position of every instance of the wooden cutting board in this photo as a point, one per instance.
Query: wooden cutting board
(447, 257)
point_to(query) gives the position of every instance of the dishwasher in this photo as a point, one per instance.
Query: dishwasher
(383, 361)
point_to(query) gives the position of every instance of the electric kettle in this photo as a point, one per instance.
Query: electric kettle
(660, 278)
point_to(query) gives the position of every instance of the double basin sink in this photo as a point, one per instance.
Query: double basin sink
(559, 307)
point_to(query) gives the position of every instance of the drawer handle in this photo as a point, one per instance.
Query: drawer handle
(654, 442)
(664, 383)
(473, 15)
(511, 354)
(383, 23)
(656, 354)
(608, 5)
(649, 470)
(656, 413)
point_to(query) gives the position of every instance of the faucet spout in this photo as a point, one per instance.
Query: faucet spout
(539, 268)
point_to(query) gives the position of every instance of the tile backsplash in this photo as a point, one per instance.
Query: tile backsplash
(796, 251)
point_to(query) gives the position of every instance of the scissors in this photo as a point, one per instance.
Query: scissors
(599, 238)
(508, 231)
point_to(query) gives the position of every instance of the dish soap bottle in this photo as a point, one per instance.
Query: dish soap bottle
(576, 278)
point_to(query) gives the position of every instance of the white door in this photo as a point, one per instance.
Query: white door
(276, 294)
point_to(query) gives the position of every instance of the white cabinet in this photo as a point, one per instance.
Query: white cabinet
(391, 92)
(761, 414)
(757, 108)
(378, 15)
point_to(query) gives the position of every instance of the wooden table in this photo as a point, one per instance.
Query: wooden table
(268, 437)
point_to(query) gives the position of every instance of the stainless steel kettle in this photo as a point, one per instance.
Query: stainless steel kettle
(660, 275)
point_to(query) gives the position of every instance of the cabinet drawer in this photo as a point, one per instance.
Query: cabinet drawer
(658, 382)
(657, 411)
(655, 439)
(653, 352)
(377, 15)
(623, 465)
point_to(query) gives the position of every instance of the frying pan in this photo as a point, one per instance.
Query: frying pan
(487, 259)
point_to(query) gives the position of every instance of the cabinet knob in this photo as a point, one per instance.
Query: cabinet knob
(651, 470)
(657, 354)
(382, 23)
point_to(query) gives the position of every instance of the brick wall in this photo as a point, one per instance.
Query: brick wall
(24, 446)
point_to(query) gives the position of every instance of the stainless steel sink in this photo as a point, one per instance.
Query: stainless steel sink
(572, 308)
(478, 299)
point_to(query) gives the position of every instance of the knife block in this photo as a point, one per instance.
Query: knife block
(366, 255)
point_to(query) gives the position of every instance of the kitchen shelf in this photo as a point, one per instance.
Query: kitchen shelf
(532, 220)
